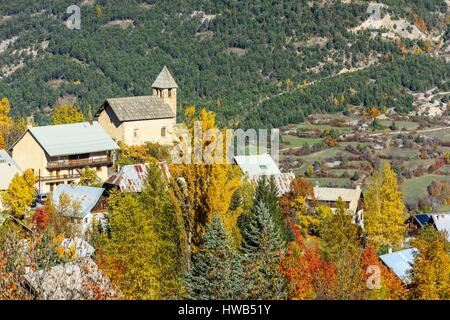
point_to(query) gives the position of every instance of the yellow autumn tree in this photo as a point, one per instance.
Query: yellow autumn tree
(384, 211)
(2, 141)
(20, 193)
(203, 188)
(67, 113)
(430, 276)
(6, 122)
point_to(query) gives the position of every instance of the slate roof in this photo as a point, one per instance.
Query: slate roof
(139, 108)
(165, 80)
(73, 139)
(131, 178)
(400, 262)
(86, 197)
(8, 169)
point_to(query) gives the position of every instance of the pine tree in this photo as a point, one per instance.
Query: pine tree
(217, 271)
(267, 193)
(263, 246)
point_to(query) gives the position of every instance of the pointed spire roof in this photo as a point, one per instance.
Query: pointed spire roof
(165, 80)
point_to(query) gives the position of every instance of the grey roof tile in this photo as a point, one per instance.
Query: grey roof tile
(165, 80)
(139, 108)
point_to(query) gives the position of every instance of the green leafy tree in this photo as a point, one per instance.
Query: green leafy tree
(342, 245)
(142, 255)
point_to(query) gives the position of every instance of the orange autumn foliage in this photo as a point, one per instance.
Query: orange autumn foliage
(309, 274)
(299, 188)
(391, 286)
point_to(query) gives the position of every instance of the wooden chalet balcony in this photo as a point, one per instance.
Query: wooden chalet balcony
(59, 177)
(79, 163)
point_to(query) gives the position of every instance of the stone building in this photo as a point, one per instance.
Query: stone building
(136, 120)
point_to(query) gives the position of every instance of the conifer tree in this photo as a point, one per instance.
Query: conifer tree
(267, 193)
(263, 246)
(217, 272)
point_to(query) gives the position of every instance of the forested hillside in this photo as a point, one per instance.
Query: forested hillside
(254, 62)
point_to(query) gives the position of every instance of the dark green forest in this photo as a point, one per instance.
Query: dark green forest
(247, 60)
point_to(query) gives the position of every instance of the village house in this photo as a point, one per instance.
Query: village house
(88, 205)
(137, 120)
(440, 221)
(352, 198)
(256, 166)
(131, 178)
(8, 169)
(58, 154)
(400, 263)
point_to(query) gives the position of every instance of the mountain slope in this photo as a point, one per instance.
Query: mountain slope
(243, 59)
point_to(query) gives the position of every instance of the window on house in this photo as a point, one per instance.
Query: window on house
(170, 93)
(163, 132)
(136, 133)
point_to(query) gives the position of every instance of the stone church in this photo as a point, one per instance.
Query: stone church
(136, 120)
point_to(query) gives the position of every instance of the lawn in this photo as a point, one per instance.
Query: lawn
(409, 125)
(445, 169)
(295, 142)
(400, 153)
(443, 135)
(415, 188)
(340, 172)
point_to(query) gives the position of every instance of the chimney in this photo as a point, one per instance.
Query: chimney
(30, 121)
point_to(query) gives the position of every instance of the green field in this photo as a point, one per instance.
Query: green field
(295, 142)
(443, 135)
(415, 188)
(409, 125)
(445, 169)
(401, 153)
